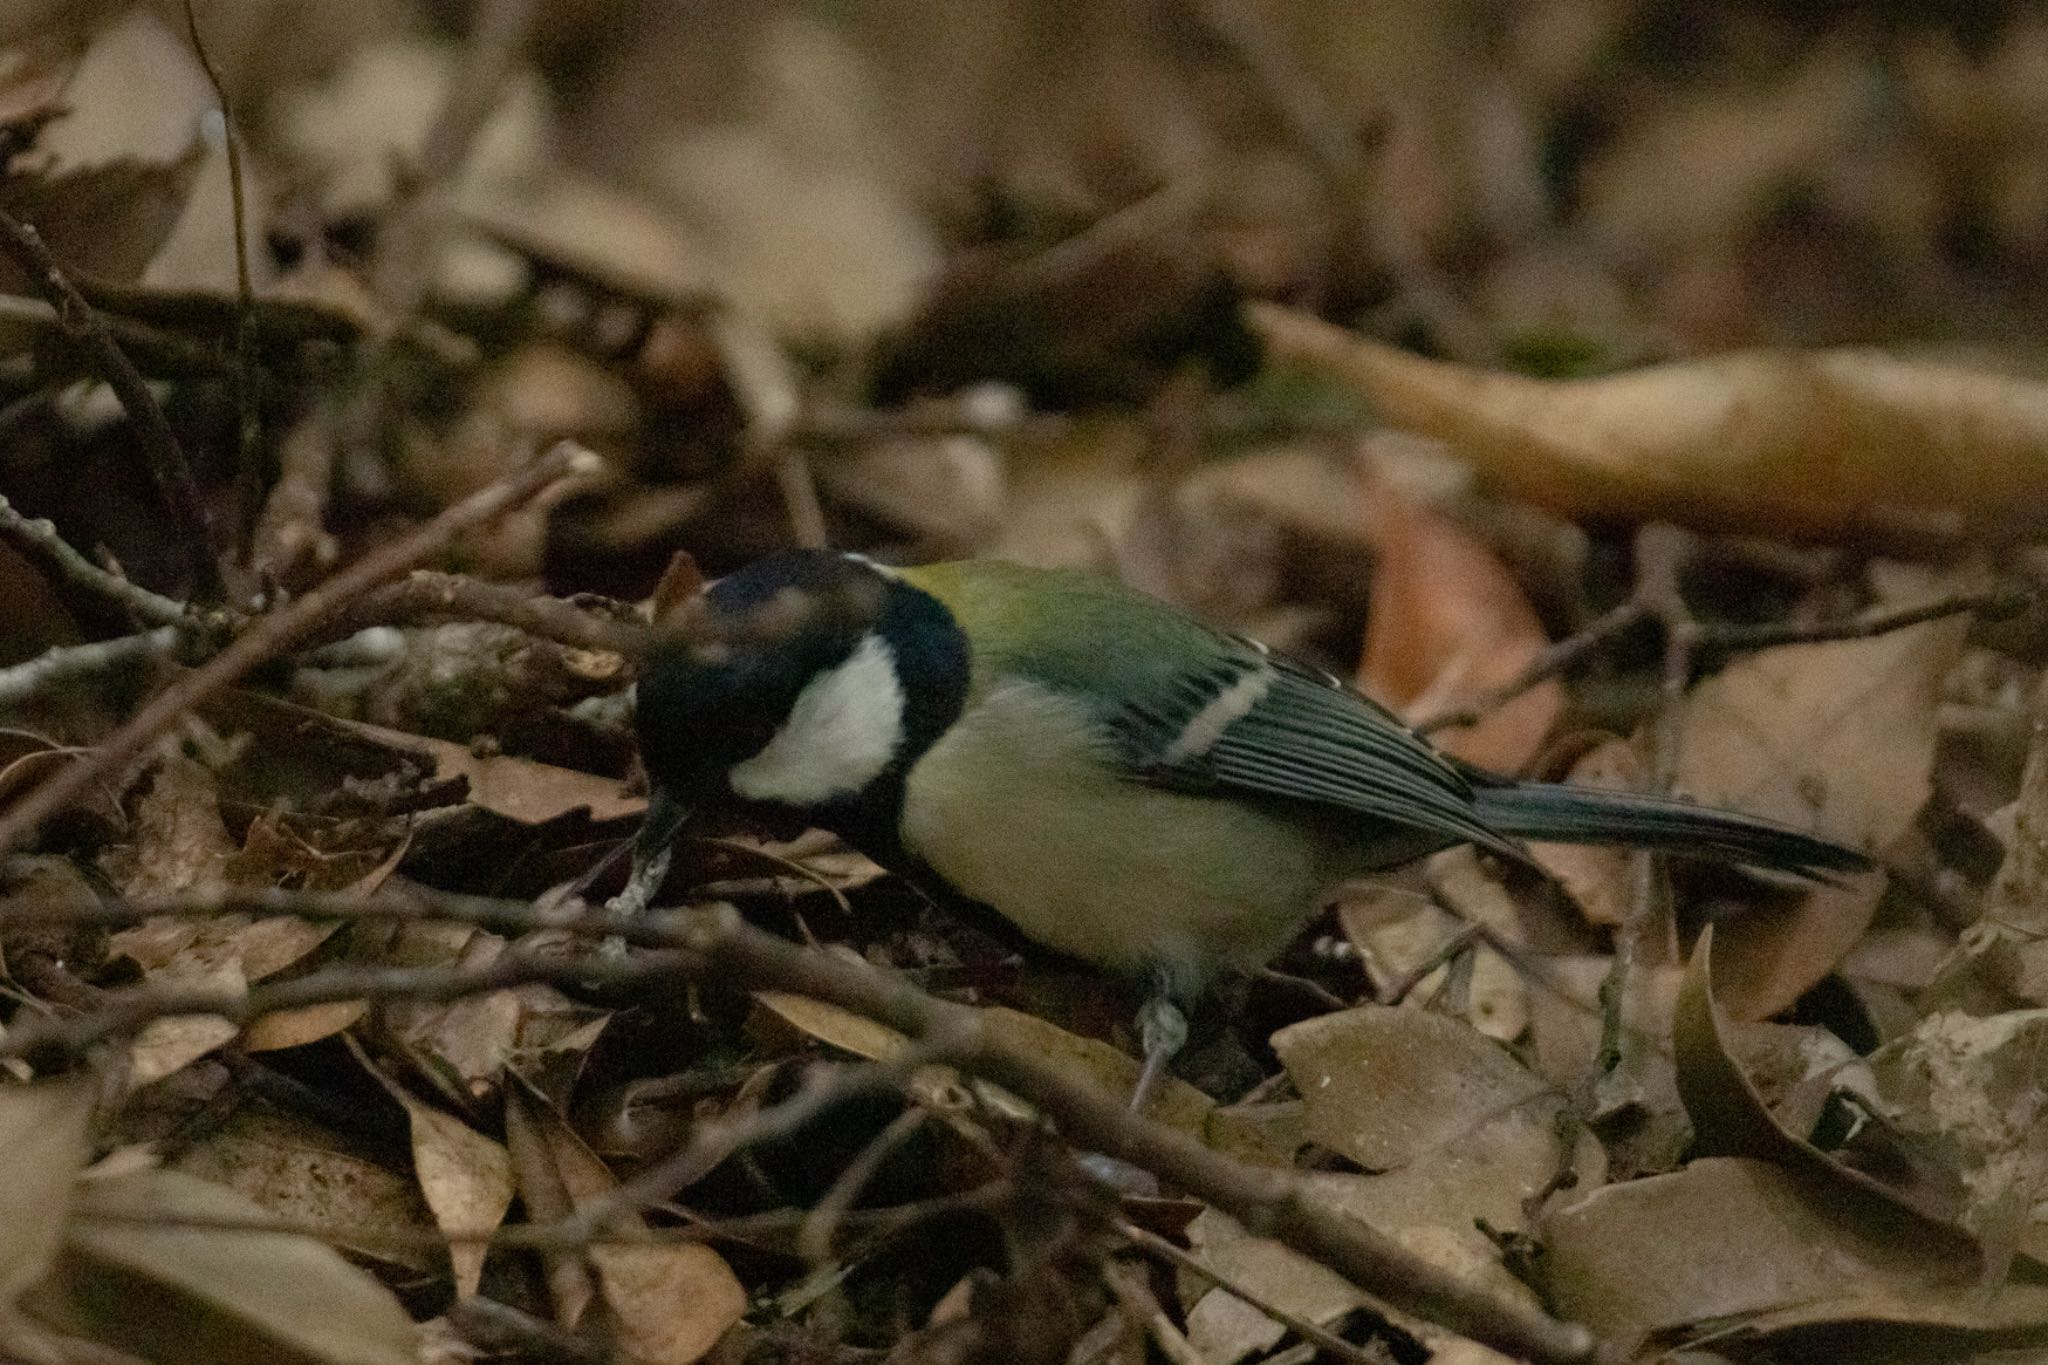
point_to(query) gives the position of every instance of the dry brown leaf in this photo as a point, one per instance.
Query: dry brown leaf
(43, 1147)
(465, 1177)
(1456, 1127)
(2008, 946)
(1730, 1118)
(671, 1302)
(1838, 738)
(1824, 444)
(519, 789)
(1448, 624)
(303, 1171)
(1220, 1323)
(1397, 933)
(1978, 1087)
(213, 1294)
(1755, 1243)
(108, 220)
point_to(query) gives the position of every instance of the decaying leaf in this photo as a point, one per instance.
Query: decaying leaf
(1455, 1128)
(1740, 1243)
(1825, 444)
(465, 1177)
(1836, 737)
(1977, 1087)
(214, 1294)
(1448, 624)
(302, 1171)
(671, 1302)
(42, 1149)
(1730, 1119)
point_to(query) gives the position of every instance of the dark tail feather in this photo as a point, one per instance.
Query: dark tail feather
(1589, 815)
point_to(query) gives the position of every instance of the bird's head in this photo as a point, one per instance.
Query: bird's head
(806, 681)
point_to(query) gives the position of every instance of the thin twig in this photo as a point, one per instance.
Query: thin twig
(1557, 659)
(37, 538)
(814, 1239)
(426, 593)
(168, 468)
(1661, 552)
(275, 632)
(1322, 1338)
(1268, 1202)
(120, 1013)
(715, 944)
(248, 431)
(67, 664)
(1992, 604)
(1142, 1308)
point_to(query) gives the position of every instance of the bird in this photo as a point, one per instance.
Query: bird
(1123, 782)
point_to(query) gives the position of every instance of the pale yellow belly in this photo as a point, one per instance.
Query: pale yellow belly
(1008, 809)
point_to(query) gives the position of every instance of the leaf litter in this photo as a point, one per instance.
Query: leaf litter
(934, 286)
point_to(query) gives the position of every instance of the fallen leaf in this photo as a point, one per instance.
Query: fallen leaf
(1447, 624)
(672, 1302)
(1835, 737)
(1219, 1323)
(107, 220)
(465, 1177)
(301, 1170)
(43, 1147)
(1975, 1086)
(212, 1294)
(1830, 444)
(1455, 1127)
(1729, 1242)
(1730, 1118)
(2008, 945)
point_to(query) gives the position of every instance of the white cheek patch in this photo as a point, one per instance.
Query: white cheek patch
(841, 734)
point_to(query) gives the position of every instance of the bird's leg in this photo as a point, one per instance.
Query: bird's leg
(1163, 1030)
(653, 849)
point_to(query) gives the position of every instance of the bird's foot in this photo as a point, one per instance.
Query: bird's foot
(1163, 1031)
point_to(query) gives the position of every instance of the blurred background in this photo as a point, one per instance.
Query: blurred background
(926, 277)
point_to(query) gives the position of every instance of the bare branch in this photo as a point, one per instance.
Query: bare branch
(37, 539)
(716, 944)
(277, 631)
(67, 664)
(168, 468)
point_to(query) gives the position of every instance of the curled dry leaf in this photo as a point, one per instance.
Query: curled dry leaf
(465, 1177)
(1822, 444)
(2008, 946)
(1760, 1251)
(42, 1149)
(1448, 624)
(1730, 1118)
(1836, 737)
(214, 1294)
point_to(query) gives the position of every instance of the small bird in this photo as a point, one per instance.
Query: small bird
(1122, 782)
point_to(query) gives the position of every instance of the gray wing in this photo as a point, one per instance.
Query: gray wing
(1263, 724)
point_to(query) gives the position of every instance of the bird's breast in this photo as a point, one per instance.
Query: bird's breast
(1019, 805)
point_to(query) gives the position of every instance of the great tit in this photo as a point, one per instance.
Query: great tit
(1121, 781)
